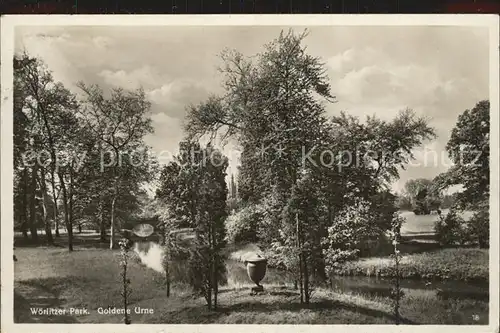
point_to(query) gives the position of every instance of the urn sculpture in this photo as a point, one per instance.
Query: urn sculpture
(256, 269)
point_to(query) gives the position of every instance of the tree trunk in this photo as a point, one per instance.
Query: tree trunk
(209, 297)
(71, 195)
(32, 219)
(24, 231)
(126, 318)
(215, 281)
(216, 290)
(112, 237)
(167, 278)
(166, 244)
(67, 220)
(320, 266)
(24, 205)
(54, 197)
(301, 281)
(209, 291)
(307, 293)
(45, 205)
(102, 226)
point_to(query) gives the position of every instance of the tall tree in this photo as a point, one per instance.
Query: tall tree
(120, 123)
(272, 110)
(273, 107)
(51, 109)
(22, 135)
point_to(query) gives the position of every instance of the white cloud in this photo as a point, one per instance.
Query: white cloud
(427, 69)
(355, 59)
(377, 84)
(101, 42)
(177, 95)
(141, 77)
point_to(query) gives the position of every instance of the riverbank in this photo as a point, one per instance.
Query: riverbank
(90, 278)
(460, 264)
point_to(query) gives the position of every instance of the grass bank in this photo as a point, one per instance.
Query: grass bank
(89, 278)
(461, 264)
(434, 264)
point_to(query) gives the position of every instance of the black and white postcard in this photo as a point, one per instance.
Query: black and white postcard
(323, 171)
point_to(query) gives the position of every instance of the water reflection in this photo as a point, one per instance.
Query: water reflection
(373, 286)
(237, 277)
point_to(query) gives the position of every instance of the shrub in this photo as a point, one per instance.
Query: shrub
(478, 228)
(376, 246)
(352, 228)
(242, 225)
(450, 229)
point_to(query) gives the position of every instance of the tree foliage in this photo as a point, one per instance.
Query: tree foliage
(58, 153)
(193, 188)
(469, 150)
(300, 168)
(50, 136)
(118, 124)
(423, 195)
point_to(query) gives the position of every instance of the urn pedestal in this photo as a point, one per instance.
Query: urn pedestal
(256, 270)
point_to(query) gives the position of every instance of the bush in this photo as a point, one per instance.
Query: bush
(377, 246)
(453, 230)
(352, 229)
(403, 202)
(450, 229)
(478, 228)
(242, 226)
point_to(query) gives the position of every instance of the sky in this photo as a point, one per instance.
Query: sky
(437, 71)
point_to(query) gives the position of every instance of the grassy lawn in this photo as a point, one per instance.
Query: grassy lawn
(464, 264)
(423, 224)
(89, 277)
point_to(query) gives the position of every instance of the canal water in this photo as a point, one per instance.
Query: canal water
(150, 255)
(237, 276)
